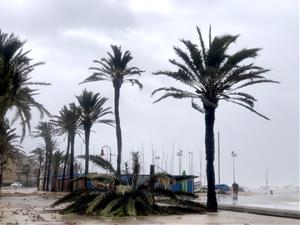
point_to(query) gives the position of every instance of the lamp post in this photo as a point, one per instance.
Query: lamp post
(233, 154)
(179, 154)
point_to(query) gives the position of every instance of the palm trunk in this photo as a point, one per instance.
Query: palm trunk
(54, 178)
(49, 169)
(72, 163)
(45, 171)
(38, 176)
(212, 204)
(65, 164)
(1, 174)
(87, 130)
(118, 129)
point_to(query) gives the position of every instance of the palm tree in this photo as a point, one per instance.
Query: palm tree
(37, 156)
(9, 149)
(57, 159)
(214, 75)
(92, 111)
(15, 91)
(62, 127)
(74, 120)
(68, 122)
(115, 69)
(115, 197)
(45, 130)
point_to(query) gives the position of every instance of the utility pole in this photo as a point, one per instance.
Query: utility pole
(153, 155)
(233, 154)
(172, 162)
(267, 182)
(219, 170)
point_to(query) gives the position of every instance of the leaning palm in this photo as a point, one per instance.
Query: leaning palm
(127, 196)
(63, 126)
(116, 70)
(57, 159)
(45, 130)
(74, 113)
(92, 111)
(37, 156)
(214, 75)
(15, 90)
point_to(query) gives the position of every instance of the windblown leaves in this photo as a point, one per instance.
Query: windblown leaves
(213, 73)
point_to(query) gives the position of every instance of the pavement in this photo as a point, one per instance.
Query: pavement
(32, 208)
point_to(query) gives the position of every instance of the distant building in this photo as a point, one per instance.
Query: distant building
(22, 170)
(179, 184)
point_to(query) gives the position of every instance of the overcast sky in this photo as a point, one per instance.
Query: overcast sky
(69, 34)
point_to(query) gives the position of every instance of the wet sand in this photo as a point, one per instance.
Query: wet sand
(18, 207)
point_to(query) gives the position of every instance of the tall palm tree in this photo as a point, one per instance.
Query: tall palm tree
(15, 85)
(68, 122)
(57, 159)
(116, 70)
(214, 75)
(37, 156)
(45, 130)
(92, 111)
(63, 127)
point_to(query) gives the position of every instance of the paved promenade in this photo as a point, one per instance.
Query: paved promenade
(33, 209)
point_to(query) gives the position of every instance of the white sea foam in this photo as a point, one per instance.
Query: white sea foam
(284, 197)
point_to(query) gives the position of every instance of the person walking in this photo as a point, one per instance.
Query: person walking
(235, 189)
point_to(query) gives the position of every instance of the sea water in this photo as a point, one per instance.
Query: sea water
(284, 197)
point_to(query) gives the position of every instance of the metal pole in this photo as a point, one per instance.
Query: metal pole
(200, 167)
(191, 163)
(233, 170)
(233, 154)
(219, 170)
(172, 162)
(267, 183)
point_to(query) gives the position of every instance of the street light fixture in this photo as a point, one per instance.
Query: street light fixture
(179, 154)
(156, 160)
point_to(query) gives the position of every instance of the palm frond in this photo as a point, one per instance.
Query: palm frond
(99, 161)
(249, 108)
(197, 107)
(69, 197)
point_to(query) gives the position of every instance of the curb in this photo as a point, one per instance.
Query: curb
(262, 211)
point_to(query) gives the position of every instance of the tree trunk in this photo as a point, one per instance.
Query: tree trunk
(38, 176)
(49, 168)
(212, 204)
(118, 128)
(45, 170)
(1, 173)
(72, 163)
(65, 164)
(54, 178)
(87, 130)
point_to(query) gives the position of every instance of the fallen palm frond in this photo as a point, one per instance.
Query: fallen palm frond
(132, 198)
